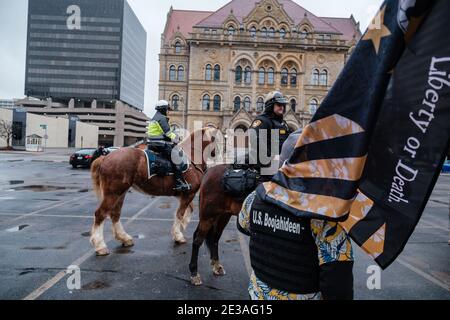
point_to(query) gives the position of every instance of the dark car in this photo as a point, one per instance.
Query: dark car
(82, 158)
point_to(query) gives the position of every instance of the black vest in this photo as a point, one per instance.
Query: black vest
(282, 249)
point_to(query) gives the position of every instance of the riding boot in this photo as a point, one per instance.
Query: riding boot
(180, 183)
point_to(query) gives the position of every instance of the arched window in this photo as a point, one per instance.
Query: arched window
(178, 47)
(284, 76)
(238, 76)
(231, 30)
(282, 33)
(260, 105)
(261, 76)
(206, 102)
(303, 33)
(271, 32)
(293, 77)
(237, 103)
(208, 72)
(216, 72)
(313, 105)
(172, 73)
(315, 77)
(217, 102)
(293, 105)
(271, 76)
(264, 32)
(253, 32)
(180, 76)
(323, 78)
(248, 75)
(175, 102)
(247, 103)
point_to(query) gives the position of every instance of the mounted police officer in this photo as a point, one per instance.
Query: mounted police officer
(159, 130)
(262, 135)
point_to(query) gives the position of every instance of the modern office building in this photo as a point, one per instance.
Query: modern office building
(87, 58)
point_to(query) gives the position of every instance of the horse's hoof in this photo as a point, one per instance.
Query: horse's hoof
(128, 243)
(196, 280)
(102, 252)
(218, 270)
(180, 241)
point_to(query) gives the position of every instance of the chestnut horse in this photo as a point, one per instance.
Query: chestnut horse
(126, 168)
(216, 209)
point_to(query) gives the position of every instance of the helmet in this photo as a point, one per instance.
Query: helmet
(272, 98)
(162, 106)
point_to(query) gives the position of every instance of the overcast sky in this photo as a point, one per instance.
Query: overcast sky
(152, 14)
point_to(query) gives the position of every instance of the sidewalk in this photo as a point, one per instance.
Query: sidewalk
(50, 155)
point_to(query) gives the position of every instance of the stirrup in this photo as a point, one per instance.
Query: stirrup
(183, 186)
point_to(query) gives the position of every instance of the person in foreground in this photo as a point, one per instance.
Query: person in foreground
(295, 258)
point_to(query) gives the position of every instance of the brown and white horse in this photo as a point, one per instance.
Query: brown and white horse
(126, 168)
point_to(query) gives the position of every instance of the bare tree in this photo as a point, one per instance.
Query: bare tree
(6, 131)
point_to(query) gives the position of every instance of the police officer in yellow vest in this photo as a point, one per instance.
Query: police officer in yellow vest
(159, 130)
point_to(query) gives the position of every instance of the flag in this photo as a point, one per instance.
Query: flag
(372, 153)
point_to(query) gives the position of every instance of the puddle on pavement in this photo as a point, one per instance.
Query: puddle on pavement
(18, 228)
(83, 190)
(95, 285)
(86, 234)
(41, 188)
(43, 248)
(15, 182)
(139, 236)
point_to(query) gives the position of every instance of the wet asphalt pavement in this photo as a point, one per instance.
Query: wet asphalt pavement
(46, 213)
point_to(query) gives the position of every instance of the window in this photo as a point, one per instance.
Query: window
(323, 78)
(172, 73)
(271, 76)
(260, 105)
(178, 47)
(282, 33)
(231, 30)
(216, 72)
(271, 32)
(175, 102)
(247, 103)
(248, 75)
(217, 102)
(238, 75)
(264, 32)
(315, 77)
(206, 102)
(303, 34)
(180, 73)
(293, 105)
(237, 103)
(284, 76)
(252, 32)
(293, 77)
(208, 72)
(262, 76)
(313, 105)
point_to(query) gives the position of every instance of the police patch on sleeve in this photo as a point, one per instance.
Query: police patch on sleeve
(256, 123)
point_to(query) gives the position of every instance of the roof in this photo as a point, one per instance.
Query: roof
(182, 21)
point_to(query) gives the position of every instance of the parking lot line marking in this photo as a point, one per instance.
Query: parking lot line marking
(60, 204)
(424, 275)
(245, 253)
(431, 224)
(60, 275)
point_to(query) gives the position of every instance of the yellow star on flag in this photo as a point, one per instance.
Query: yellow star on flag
(377, 30)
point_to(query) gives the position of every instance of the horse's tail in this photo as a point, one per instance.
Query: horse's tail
(95, 175)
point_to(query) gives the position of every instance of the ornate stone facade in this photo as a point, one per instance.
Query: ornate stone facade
(216, 67)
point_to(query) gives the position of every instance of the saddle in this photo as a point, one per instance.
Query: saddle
(158, 164)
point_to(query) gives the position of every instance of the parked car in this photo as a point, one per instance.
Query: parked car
(112, 149)
(82, 158)
(446, 167)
